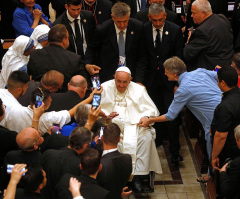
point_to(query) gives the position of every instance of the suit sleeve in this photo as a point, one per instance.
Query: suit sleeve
(142, 59)
(93, 46)
(179, 44)
(198, 42)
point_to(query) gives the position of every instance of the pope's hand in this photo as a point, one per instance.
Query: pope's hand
(144, 122)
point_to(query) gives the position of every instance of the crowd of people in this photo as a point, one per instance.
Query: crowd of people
(149, 67)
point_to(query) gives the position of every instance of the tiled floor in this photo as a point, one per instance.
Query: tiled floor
(175, 182)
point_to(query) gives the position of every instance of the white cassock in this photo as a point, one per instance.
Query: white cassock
(137, 141)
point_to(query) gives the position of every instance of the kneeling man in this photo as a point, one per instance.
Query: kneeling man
(127, 102)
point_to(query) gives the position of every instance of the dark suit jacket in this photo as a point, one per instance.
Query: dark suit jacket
(172, 43)
(230, 181)
(102, 11)
(59, 101)
(142, 16)
(103, 51)
(89, 188)
(21, 194)
(210, 44)
(7, 142)
(56, 163)
(54, 57)
(89, 25)
(116, 170)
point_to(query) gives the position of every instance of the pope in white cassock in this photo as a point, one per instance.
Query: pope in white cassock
(128, 102)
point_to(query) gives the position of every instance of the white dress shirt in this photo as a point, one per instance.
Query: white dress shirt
(71, 19)
(155, 34)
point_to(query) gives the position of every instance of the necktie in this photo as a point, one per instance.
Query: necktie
(78, 38)
(121, 44)
(158, 40)
(143, 4)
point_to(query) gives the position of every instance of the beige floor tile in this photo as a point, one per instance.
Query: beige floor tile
(158, 196)
(164, 176)
(188, 170)
(193, 188)
(175, 188)
(188, 162)
(195, 195)
(159, 189)
(190, 179)
(177, 196)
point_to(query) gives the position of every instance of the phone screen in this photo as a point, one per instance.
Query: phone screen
(96, 82)
(10, 168)
(39, 100)
(96, 100)
(55, 128)
(101, 132)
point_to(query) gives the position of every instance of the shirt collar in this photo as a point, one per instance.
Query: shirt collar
(117, 30)
(108, 151)
(71, 19)
(161, 30)
(181, 77)
(233, 90)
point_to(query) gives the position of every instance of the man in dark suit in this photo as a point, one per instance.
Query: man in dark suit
(77, 88)
(207, 47)
(230, 173)
(163, 40)
(56, 57)
(118, 41)
(101, 9)
(143, 14)
(90, 166)
(116, 167)
(80, 25)
(58, 162)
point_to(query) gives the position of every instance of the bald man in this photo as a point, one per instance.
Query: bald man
(28, 141)
(77, 88)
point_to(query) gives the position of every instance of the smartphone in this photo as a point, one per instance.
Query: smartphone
(96, 100)
(216, 69)
(55, 128)
(101, 132)
(10, 168)
(96, 82)
(38, 101)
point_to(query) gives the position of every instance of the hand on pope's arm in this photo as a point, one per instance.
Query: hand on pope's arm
(144, 122)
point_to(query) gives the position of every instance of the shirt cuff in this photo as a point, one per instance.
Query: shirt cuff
(78, 197)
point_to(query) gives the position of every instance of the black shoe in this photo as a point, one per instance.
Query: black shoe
(137, 186)
(174, 159)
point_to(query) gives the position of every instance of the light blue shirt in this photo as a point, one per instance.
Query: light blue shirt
(198, 90)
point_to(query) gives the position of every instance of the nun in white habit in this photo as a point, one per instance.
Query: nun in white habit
(40, 36)
(16, 58)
